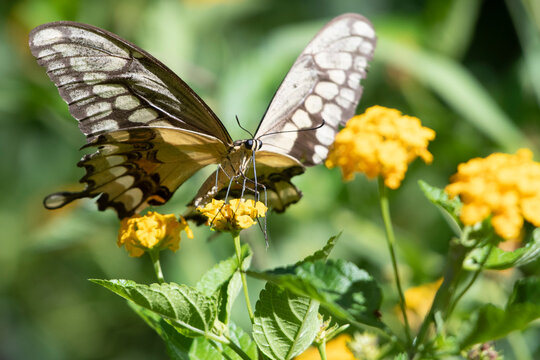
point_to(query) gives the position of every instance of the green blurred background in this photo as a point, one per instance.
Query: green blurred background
(469, 69)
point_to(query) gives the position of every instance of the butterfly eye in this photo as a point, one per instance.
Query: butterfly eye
(249, 144)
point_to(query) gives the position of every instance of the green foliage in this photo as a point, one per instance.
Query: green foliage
(323, 253)
(203, 349)
(187, 308)
(223, 281)
(499, 259)
(340, 286)
(450, 207)
(180, 347)
(177, 344)
(491, 322)
(285, 324)
(467, 69)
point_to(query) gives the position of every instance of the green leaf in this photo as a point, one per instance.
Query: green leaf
(224, 281)
(440, 198)
(525, 291)
(323, 253)
(499, 259)
(491, 322)
(340, 286)
(203, 348)
(192, 311)
(184, 348)
(285, 324)
(177, 345)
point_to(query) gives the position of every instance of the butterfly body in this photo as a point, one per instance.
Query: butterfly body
(152, 132)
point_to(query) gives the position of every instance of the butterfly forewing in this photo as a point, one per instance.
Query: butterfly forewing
(112, 84)
(322, 87)
(151, 130)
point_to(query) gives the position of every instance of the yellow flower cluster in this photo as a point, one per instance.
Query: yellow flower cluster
(381, 142)
(418, 301)
(238, 214)
(335, 349)
(151, 232)
(502, 185)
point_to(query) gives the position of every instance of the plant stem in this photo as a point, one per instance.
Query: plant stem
(154, 255)
(238, 249)
(441, 301)
(238, 350)
(468, 286)
(390, 239)
(322, 349)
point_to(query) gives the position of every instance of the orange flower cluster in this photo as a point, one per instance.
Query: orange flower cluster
(380, 142)
(505, 186)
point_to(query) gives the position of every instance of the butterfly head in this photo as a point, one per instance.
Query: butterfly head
(249, 144)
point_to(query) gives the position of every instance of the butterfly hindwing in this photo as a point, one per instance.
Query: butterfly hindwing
(323, 86)
(140, 167)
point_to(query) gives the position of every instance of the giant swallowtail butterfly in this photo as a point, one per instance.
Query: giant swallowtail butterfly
(152, 132)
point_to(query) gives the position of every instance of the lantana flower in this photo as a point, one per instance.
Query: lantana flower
(151, 232)
(335, 349)
(418, 300)
(503, 186)
(343, 347)
(380, 142)
(238, 214)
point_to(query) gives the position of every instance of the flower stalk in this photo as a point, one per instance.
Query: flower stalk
(454, 267)
(154, 255)
(238, 248)
(390, 240)
(322, 349)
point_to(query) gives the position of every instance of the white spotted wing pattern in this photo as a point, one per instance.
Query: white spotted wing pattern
(152, 132)
(323, 84)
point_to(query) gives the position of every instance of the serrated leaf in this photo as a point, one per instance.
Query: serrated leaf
(223, 281)
(491, 322)
(499, 259)
(323, 253)
(200, 348)
(438, 197)
(340, 286)
(203, 349)
(285, 324)
(194, 312)
(177, 344)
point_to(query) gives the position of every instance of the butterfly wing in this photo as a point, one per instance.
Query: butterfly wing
(152, 131)
(323, 86)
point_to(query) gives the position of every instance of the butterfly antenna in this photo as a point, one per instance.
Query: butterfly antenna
(243, 128)
(295, 131)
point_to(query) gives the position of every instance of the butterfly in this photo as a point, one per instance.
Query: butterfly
(151, 132)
